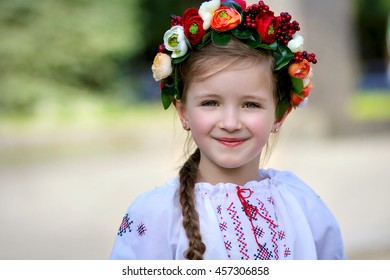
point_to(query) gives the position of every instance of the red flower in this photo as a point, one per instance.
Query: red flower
(225, 18)
(193, 26)
(266, 26)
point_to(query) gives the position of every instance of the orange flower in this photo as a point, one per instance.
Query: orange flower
(225, 18)
(306, 90)
(299, 69)
(295, 99)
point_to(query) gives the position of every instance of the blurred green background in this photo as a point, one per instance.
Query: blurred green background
(83, 132)
(57, 56)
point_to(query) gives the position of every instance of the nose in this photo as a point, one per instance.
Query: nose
(230, 120)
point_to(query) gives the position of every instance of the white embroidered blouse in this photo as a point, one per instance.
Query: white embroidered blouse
(278, 217)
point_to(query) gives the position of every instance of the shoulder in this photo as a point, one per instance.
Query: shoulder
(309, 201)
(157, 200)
(150, 225)
(296, 186)
(324, 227)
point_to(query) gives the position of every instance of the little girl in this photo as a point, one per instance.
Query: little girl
(233, 73)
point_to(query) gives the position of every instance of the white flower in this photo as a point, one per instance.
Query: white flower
(175, 41)
(307, 79)
(207, 10)
(162, 66)
(296, 44)
(303, 103)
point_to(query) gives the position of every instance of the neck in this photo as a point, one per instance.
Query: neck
(240, 176)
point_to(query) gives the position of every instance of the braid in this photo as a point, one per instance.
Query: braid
(188, 174)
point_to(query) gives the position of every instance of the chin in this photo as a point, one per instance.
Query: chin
(231, 164)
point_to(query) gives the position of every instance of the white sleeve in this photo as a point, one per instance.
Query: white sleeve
(324, 227)
(147, 230)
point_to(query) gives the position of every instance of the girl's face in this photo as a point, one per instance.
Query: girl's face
(231, 115)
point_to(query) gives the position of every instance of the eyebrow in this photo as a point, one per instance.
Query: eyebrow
(207, 95)
(254, 97)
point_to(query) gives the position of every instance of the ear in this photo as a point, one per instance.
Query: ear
(181, 111)
(278, 122)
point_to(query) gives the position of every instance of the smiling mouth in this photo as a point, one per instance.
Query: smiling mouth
(231, 142)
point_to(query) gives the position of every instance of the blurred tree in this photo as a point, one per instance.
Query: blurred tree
(372, 23)
(54, 50)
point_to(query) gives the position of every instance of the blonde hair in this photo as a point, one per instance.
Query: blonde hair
(200, 65)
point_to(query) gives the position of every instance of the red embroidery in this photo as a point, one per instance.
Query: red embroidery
(252, 211)
(262, 240)
(223, 226)
(287, 252)
(228, 245)
(239, 231)
(125, 225)
(271, 226)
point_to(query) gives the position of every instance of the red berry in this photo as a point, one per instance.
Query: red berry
(161, 48)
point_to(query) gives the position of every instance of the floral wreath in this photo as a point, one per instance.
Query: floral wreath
(218, 21)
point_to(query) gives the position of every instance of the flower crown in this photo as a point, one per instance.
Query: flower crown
(218, 21)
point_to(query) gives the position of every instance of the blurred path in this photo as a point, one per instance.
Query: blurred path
(68, 205)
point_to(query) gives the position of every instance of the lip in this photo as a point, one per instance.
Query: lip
(231, 142)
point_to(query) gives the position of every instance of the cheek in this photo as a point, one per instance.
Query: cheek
(199, 123)
(262, 124)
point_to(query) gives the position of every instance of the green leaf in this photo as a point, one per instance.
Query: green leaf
(167, 95)
(254, 41)
(181, 59)
(297, 85)
(282, 107)
(221, 38)
(242, 33)
(283, 55)
(273, 46)
(206, 39)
